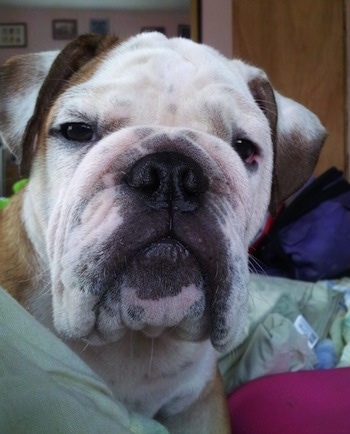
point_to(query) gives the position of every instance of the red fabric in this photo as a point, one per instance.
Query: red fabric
(270, 220)
(305, 402)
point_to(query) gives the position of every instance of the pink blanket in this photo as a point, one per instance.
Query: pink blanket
(305, 402)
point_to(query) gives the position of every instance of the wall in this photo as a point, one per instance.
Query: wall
(122, 23)
(217, 25)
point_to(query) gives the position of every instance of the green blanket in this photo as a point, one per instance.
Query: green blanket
(45, 388)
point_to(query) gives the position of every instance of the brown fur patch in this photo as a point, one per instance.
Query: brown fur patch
(79, 52)
(18, 263)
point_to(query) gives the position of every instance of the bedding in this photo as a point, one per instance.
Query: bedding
(312, 402)
(45, 387)
(273, 343)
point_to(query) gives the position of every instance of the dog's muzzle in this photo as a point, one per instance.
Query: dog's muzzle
(154, 248)
(164, 280)
(162, 283)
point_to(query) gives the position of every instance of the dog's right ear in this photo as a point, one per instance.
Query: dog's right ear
(30, 84)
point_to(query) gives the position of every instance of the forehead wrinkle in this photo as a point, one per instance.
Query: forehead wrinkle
(111, 124)
(220, 127)
(106, 123)
(79, 105)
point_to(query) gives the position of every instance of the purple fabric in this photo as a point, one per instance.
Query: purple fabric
(310, 237)
(318, 242)
(314, 246)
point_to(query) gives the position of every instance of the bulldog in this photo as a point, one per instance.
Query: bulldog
(152, 164)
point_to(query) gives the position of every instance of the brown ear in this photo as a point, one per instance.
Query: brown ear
(20, 80)
(71, 59)
(299, 140)
(265, 98)
(297, 136)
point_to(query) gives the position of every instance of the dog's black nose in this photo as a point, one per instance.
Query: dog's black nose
(168, 180)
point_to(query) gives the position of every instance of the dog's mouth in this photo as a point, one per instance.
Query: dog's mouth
(162, 269)
(189, 283)
(163, 287)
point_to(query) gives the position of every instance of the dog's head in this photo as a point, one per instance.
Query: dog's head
(151, 164)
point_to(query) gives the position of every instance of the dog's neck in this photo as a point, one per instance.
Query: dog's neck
(144, 373)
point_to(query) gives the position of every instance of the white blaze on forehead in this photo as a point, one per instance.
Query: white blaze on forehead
(156, 54)
(145, 79)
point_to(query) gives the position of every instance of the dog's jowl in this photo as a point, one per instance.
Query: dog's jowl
(151, 166)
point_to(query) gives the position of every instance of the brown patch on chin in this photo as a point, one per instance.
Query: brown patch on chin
(162, 270)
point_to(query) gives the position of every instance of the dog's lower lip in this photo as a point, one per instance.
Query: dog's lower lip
(169, 247)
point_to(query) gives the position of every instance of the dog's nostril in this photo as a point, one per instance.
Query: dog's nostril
(193, 181)
(168, 180)
(144, 178)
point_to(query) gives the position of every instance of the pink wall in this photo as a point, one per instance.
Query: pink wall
(122, 23)
(217, 25)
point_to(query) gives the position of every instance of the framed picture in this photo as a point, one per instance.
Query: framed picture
(184, 31)
(64, 29)
(101, 27)
(13, 35)
(153, 29)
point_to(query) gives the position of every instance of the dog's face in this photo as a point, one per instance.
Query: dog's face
(151, 165)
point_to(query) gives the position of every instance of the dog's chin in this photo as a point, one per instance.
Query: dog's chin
(96, 338)
(161, 291)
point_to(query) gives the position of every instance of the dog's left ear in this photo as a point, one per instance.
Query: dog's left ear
(29, 85)
(299, 140)
(297, 136)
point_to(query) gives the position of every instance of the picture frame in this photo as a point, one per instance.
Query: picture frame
(64, 29)
(13, 35)
(184, 31)
(99, 26)
(153, 29)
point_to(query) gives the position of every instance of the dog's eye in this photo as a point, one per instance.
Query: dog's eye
(78, 132)
(246, 149)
